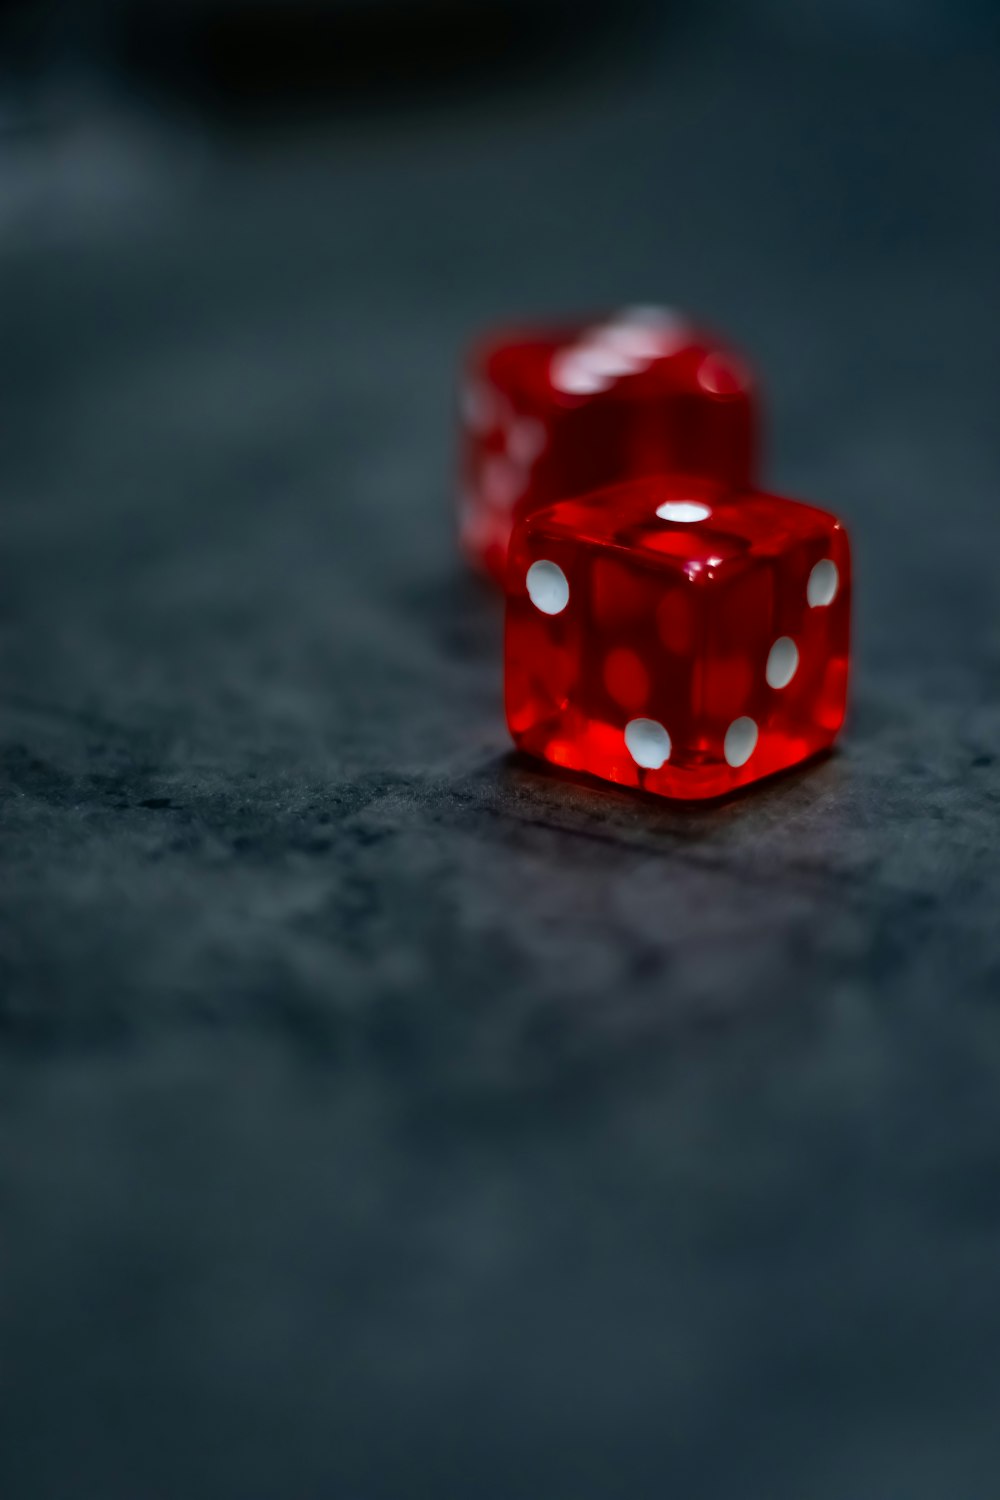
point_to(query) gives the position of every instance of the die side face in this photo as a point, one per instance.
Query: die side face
(676, 638)
(547, 414)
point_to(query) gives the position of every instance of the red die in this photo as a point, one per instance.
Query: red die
(549, 413)
(678, 636)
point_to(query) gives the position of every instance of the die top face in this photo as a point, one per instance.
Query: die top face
(685, 523)
(636, 354)
(548, 413)
(673, 635)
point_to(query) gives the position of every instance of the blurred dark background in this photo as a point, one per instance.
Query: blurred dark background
(381, 1115)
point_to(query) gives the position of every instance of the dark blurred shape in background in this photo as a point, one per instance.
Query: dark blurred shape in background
(266, 55)
(263, 56)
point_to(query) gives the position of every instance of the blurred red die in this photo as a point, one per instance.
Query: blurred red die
(676, 635)
(548, 413)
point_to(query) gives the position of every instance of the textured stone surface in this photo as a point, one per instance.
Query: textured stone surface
(381, 1115)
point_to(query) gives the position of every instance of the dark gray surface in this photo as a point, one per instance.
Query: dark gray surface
(380, 1116)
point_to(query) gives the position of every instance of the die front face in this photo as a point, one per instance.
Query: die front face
(678, 637)
(553, 413)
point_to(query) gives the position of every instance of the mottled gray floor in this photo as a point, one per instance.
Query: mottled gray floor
(380, 1115)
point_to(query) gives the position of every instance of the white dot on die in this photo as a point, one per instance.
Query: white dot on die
(824, 580)
(782, 662)
(741, 742)
(525, 440)
(547, 587)
(683, 510)
(572, 371)
(502, 482)
(648, 743)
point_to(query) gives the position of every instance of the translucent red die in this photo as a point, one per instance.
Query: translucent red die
(676, 635)
(547, 413)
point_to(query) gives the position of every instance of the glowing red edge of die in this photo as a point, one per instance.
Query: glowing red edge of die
(547, 412)
(676, 636)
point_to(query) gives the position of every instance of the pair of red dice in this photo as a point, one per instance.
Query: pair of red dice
(669, 626)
